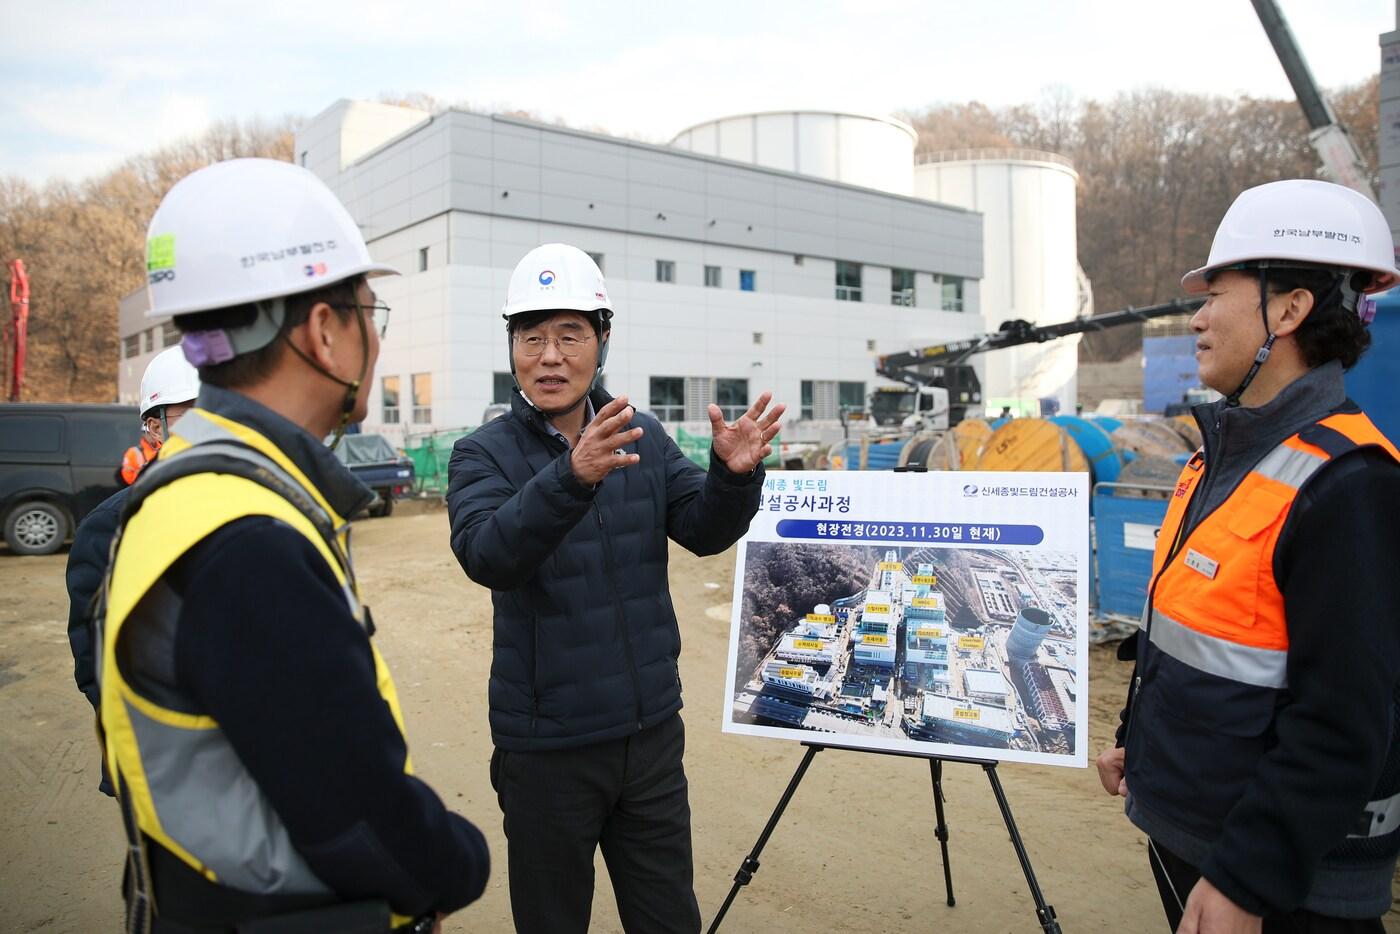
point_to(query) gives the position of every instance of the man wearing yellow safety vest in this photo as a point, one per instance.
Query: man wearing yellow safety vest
(252, 730)
(168, 390)
(1258, 750)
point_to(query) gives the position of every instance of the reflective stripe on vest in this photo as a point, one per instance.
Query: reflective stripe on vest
(187, 787)
(1216, 606)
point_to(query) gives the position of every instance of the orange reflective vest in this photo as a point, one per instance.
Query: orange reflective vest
(1215, 604)
(136, 457)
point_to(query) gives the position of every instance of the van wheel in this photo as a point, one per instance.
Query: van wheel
(36, 528)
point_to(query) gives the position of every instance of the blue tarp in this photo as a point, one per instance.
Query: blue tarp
(1125, 532)
(1169, 369)
(1375, 382)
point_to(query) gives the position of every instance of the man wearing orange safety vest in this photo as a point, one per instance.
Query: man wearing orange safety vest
(1258, 750)
(168, 388)
(137, 456)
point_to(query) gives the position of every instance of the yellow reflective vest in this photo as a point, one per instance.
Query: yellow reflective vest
(180, 781)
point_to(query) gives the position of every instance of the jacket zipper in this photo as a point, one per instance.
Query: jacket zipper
(535, 677)
(1144, 646)
(621, 619)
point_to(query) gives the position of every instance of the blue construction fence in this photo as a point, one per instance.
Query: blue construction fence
(1127, 518)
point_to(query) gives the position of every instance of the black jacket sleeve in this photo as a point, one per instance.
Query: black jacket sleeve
(706, 512)
(87, 565)
(1334, 564)
(268, 646)
(501, 535)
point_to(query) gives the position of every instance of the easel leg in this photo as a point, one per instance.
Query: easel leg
(941, 830)
(1044, 913)
(750, 864)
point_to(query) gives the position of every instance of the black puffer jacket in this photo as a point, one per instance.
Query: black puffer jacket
(586, 640)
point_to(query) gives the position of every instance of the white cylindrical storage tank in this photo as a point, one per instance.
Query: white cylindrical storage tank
(1030, 262)
(858, 149)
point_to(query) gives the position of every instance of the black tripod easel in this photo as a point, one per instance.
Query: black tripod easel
(1045, 913)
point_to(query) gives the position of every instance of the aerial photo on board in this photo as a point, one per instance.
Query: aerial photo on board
(959, 646)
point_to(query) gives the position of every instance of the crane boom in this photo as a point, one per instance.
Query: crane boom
(1330, 140)
(945, 366)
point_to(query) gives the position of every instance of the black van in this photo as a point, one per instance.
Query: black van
(57, 462)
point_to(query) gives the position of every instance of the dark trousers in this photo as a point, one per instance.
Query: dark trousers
(1175, 878)
(628, 796)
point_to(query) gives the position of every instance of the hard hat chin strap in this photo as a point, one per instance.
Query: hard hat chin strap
(352, 387)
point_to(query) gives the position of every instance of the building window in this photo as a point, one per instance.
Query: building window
(758, 337)
(150, 341)
(797, 259)
(746, 280)
(597, 258)
(850, 396)
(502, 385)
(847, 281)
(668, 398)
(302, 158)
(712, 279)
(169, 334)
(870, 344)
(665, 270)
(389, 390)
(131, 346)
(732, 397)
(423, 260)
(826, 399)
(950, 292)
(902, 287)
(422, 398)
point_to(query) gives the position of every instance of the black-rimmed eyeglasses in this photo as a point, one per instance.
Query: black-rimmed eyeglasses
(534, 345)
(378, 314)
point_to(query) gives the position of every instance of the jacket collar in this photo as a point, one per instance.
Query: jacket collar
(337, 484)
(1303, 402)
(535, 419)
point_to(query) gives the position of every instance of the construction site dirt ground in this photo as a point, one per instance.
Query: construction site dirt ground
(855, 851)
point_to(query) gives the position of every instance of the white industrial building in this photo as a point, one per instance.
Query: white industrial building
(763, 251)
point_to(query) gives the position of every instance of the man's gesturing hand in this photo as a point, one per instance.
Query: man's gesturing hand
(599, 451)
(744, 444)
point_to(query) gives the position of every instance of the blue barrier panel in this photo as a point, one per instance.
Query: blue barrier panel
(1125, 533)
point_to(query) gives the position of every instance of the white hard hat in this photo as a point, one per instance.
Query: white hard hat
(247, 230)
(169, 379)
(1302, 221)
(557, 277)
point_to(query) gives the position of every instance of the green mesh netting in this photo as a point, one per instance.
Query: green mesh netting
(430, 454)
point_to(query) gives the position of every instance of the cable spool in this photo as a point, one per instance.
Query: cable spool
(970, 434)
(1150, 438)
(1105, 461)
(1031, 444)
(1185, 425)
(931, 450)
(1149, 470)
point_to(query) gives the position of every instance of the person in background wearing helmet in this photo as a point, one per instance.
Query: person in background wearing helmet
(252, 730)
(168, 390)
(1258, 748)
(563, 508)
(138, 455)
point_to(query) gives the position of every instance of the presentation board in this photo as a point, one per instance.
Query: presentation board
(943, 613)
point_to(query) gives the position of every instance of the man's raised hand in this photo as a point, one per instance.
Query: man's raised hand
(599, 450)
(743, 445)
